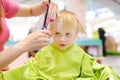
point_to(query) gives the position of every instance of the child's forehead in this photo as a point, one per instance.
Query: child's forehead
(66, 21)
(65, 24)
(62, 28)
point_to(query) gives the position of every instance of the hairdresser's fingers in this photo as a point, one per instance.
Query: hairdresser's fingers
(36, 39)
(41, 42)
(38, 33)
(53, 10)
(53, 16)
(44, 32)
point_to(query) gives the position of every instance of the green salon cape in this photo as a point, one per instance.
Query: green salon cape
(51, 63)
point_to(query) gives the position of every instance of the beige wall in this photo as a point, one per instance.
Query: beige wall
(79, 7)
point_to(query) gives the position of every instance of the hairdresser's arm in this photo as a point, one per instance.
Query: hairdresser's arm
(37, 39)
(37, 9)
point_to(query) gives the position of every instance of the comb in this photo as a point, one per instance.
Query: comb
(45, 19)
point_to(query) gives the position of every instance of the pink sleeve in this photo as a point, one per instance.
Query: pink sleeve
(10, 8)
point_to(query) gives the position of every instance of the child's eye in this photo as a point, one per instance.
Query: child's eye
(57, 33)
(67, 34)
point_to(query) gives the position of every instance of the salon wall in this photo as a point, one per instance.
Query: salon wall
(79, 7)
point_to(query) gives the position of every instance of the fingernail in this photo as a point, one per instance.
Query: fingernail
(57, 16)
(47, 5)
(51, 20)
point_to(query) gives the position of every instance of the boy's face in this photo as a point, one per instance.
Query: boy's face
(63, 36)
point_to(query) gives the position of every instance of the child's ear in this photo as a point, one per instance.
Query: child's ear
(50, 33)
(51, 39)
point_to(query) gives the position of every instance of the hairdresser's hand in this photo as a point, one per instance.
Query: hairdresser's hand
(38, 9)
(53, 10)
(35, 40)
(42, 6)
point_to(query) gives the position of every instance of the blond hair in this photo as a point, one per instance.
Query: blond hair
(68, 18)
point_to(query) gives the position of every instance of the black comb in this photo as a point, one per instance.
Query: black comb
(45, 19)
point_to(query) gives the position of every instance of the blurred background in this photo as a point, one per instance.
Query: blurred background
(93, 14)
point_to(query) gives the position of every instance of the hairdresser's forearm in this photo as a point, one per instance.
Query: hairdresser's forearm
(32, 10)
(10, 54)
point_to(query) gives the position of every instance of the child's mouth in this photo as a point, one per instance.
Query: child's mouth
(62, 44)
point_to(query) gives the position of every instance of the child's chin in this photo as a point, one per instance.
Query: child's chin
(63, 48)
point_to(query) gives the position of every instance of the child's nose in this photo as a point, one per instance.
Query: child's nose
(62, 38)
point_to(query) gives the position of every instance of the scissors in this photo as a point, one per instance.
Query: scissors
(45, 19)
